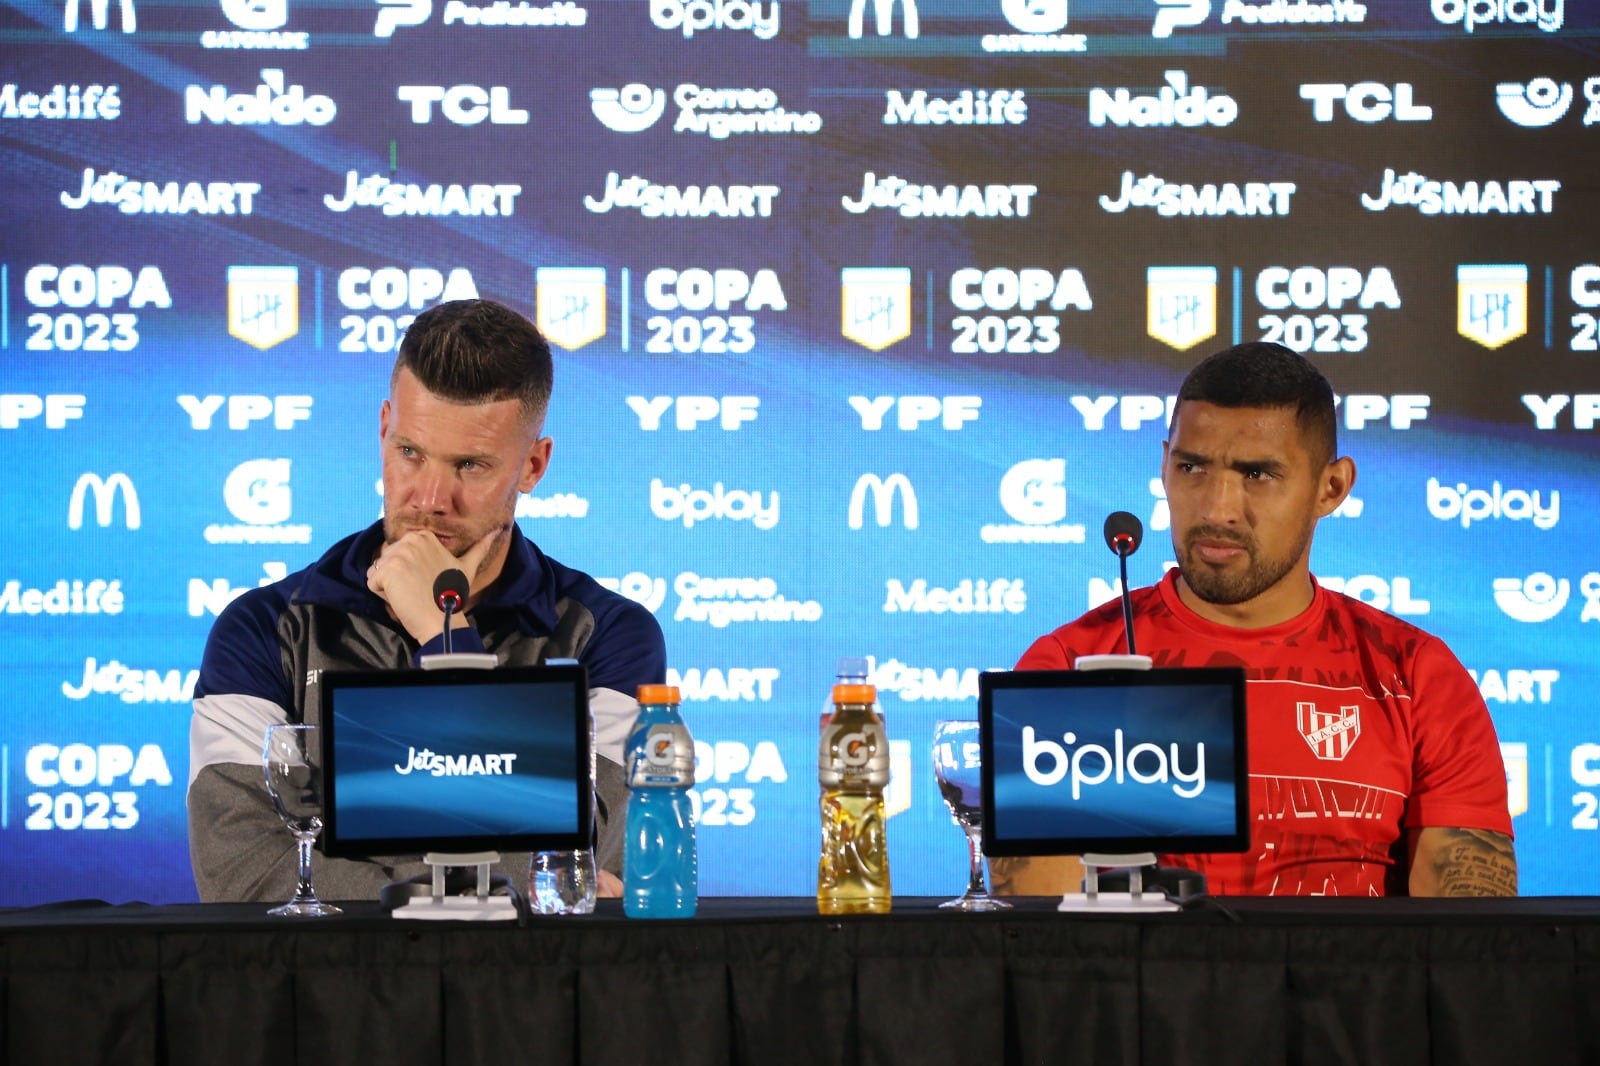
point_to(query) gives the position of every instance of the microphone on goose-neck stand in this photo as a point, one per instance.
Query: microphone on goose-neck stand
(450, 593)
(1123, 533)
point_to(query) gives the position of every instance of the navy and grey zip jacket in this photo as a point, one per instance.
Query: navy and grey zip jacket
(269, 646)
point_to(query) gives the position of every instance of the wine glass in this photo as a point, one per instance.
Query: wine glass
(956, 764)
(291, 759)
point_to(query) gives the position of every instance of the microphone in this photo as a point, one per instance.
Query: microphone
(450, 593)
(1123, 533)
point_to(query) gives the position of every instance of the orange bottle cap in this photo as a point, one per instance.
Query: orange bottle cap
(854, 694)
(658, 694)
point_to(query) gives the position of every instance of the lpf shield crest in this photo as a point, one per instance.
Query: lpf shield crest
(263, 304)
(877, 305)
(1331, 734)
(1181, 305)
(1492, 303)
(1515, 756)
(570, 304)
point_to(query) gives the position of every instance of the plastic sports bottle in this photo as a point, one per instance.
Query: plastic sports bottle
(660, 865)
(852, 771)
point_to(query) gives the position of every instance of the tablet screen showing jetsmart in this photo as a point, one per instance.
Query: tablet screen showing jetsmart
(1113, 761)
(455, 760)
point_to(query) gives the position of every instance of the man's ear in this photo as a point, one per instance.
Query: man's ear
(534, 464)
(1338, 478)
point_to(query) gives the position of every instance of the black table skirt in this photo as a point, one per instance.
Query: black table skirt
(764, 982)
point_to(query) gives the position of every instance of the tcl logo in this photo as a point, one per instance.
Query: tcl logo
(1366, 101)
(465, 105)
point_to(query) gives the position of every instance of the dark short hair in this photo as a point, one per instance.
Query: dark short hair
(1261, 374)
(478, 351)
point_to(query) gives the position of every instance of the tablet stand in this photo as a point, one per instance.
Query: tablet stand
(438, 906)
(1137, 898)
(460, 660)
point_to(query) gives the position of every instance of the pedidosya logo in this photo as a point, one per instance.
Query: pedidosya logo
(1046, 762)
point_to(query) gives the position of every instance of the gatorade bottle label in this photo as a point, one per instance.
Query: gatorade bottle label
(853, 755)
(662, 758)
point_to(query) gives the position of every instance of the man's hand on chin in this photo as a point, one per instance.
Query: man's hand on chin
(404, 573)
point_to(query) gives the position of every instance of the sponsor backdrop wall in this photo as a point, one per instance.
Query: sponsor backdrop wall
(866, 314)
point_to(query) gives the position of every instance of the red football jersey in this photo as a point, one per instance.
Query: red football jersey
(1360, 726)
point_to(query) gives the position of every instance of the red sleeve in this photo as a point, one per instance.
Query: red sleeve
(1047, 653)
(1458, 778)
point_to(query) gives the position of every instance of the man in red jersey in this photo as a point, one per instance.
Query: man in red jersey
(1374, 767)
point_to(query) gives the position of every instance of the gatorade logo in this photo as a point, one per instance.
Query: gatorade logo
(661, 751)
(854, 751)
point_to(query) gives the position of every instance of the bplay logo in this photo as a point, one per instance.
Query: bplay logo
(1541, 102)
(692, 16)
(884, 492)
(631, 109)
(1468, 505)
(106, 493)
(1470, 15)
(1034, 494)
(99, 14)
(258, 495)
(1046, 762)
(690, 505)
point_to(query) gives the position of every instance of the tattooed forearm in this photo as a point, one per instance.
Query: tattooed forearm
(1464, 862)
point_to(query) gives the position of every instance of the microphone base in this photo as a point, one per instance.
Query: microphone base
(1113, 662)
(460, 660)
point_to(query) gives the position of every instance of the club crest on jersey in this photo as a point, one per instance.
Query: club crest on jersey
(1331, 734)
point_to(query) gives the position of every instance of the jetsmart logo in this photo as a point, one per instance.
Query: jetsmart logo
(476, 765)
(914, 200)
(106, 491)
(981, 107)
(884, 491)
(131, 685)
(1170, 199)
(689, 201)
(134, 197)
(257, 493)
(434, 201)
(1034, 495)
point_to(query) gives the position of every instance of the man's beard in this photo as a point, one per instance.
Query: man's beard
(1226, 588)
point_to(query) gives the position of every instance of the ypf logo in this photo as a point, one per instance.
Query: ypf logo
(631, 109)
(257, 492)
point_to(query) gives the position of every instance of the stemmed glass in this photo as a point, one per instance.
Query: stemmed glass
(956, 764)
(291, 759)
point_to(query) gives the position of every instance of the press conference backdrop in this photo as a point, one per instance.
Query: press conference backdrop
(866, 314)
